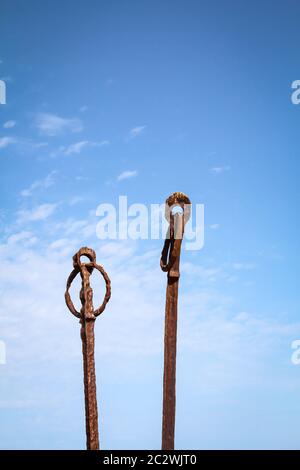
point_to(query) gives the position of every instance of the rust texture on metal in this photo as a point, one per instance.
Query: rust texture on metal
(169, 262)
(87, 317)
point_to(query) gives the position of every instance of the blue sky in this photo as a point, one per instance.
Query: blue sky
(192, 96)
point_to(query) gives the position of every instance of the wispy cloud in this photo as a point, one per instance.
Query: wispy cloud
(82, 178)
(39, 184)
(127, 174)
(25, 237)
(9, 124)
(77, 147)
(219, 169)
(136, 131)
(245, 266)
(52, 124)
(214, 226)
(203, 273)
(38, 145)
(41, 212)
(76, 200)
(5, 141)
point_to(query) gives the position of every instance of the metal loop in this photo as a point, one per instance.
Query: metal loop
(178, 199)
(101, 270)
(84, 251)
(68, 299)
(78, 268)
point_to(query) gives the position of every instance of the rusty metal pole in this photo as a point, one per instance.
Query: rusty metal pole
(87, 316)
(170, 259)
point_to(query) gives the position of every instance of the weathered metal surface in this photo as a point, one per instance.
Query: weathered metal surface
(170, 259)
(87, 316)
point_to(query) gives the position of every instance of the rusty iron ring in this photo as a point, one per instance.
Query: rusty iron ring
(91, 255)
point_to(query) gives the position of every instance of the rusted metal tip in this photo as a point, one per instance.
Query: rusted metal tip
(177, 198)
(84, 251)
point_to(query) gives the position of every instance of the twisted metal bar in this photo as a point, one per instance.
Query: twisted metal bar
(169, 262)
(87, 316)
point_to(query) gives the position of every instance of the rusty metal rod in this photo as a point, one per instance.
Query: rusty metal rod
(87, 317)
(90, 392)
(169, 381)
(170, 260)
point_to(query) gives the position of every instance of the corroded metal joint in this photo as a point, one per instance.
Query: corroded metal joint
(181, 200)
(87, 311)
(169, 261)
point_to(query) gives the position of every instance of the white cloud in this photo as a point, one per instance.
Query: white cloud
(76, 200)
(205, 274)
(44, 183)
(214, 226)
(127, 174)
(211, 326)
(7, 404)
(246, 266)
(41, 212)
(39, 145)
(83, 228)
(79, 146)
(136, 131)
(9, 124)
(82, 178)
(220, 169)
(27, 238)
(5, 141)
(51, 124)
